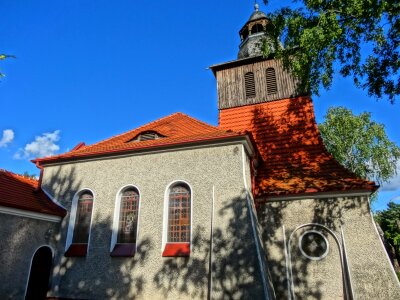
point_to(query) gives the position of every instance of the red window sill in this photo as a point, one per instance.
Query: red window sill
(176, 250)
(123, 250)
(76, 250)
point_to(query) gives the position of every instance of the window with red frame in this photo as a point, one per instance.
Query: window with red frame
(83, 217)
(179, 214)
(128, 216)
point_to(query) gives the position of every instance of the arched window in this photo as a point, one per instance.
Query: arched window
(271, 81)
(244, 34)
(179, 221)
(257, 28)
(128, 216)
(249, 85)
(123, 242)
(81, 216)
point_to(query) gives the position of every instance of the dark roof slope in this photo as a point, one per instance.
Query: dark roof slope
(20, 192)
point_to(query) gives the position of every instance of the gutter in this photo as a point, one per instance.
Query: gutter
(249, 147)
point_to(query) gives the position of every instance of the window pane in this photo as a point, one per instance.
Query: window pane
(82, 220)
(128, 216)
(179, 214)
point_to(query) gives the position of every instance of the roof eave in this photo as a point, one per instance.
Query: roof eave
(264, 197)
(236, 62)
(232, 138)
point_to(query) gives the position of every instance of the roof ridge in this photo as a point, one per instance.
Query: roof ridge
(131, 130)
(35, 181)
(204, 123)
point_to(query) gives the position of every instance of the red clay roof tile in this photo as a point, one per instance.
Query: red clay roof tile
(177, 128)
(20, 192)
(295, 160)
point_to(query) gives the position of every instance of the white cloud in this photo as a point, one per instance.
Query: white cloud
(395, 199)
(44, 145)
(8, 137)
(394, 183)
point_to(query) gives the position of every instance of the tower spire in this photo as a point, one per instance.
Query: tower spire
(253, 33)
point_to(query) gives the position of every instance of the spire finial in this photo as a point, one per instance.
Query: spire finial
(256, 6)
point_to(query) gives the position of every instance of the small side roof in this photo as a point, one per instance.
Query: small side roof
(236, 63)
(17, 191)
(174, 130)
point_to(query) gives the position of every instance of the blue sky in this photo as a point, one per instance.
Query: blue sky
(87, 70)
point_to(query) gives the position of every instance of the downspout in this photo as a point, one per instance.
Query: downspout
(40, 175)
(210, 265)
(253, 225)
(253, 173)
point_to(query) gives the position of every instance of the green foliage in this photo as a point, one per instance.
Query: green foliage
(360, 144)
(362, 38)
(30, 176)
(389, 220)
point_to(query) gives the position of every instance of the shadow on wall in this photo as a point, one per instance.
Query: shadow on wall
(294, 157)
(235, 269)
(236, 272)
(308, 284)
(98, 275)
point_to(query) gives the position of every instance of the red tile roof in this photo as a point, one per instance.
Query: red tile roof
(177, 128)
(20, 192)
(295, 160)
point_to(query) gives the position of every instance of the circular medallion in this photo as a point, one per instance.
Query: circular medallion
(313, 245)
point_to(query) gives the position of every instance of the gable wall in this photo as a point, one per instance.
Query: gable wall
(371, 274)
(236, 271)
(20, 238)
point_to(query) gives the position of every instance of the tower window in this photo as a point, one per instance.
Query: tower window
(271, 81)
(257, 28)
(244, 34)
(249, 85)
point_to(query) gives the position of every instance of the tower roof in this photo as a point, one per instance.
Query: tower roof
(252, 34)
(294, 158)
(257, 14)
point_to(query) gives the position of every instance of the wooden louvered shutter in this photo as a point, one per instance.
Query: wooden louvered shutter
(271, 81)
(249, 84)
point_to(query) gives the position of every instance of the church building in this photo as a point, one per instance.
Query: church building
(254, 208)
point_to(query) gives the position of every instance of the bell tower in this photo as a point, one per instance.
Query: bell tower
(251, 78)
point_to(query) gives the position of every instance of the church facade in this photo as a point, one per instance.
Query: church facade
(252, 208)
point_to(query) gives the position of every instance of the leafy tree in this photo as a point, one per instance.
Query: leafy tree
(389, 221)
(360, 144)
(2, 57)
(360, 39)
(30, 176)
